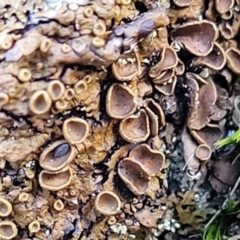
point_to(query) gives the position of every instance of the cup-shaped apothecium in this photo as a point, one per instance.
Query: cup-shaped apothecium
(55, 181)
(120, 101)
(135, 128)
(133, 175)
(23, 197)
(8, 230)
(58, 205)
(107, 203)
(40, 102)
(75, 130)
(151, 160)
(5, 207)
(57, 156)
(197, 37)
(56, 90)
(203, 152)
(34, 226)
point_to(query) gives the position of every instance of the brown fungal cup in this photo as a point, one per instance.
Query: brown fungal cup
(233, 59)
(135, 128)
(75, 130)
(40, 102)
(55, 181)
(167, 87)
(126, 67)
(57, 156)
(8, 230)
(133, 175)
(107, 203)
(189, 149)
(151, 160)
(216, 59)
(197, 37)
(61, 105)
(203, 152)
(120, 101)
(156, 116)
(223, 6)
(168, 60)
(164, 76)
(5, 207)
(204, 109)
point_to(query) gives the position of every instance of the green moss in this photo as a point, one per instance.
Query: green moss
(218, 229)
(234, 139)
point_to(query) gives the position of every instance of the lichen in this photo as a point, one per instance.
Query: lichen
(91, 94)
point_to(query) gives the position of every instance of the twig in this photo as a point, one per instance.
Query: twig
(223, 205)
(236, 185)
(188, 161)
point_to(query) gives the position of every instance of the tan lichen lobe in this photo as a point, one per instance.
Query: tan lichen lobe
(31, 39)
(14, 150)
